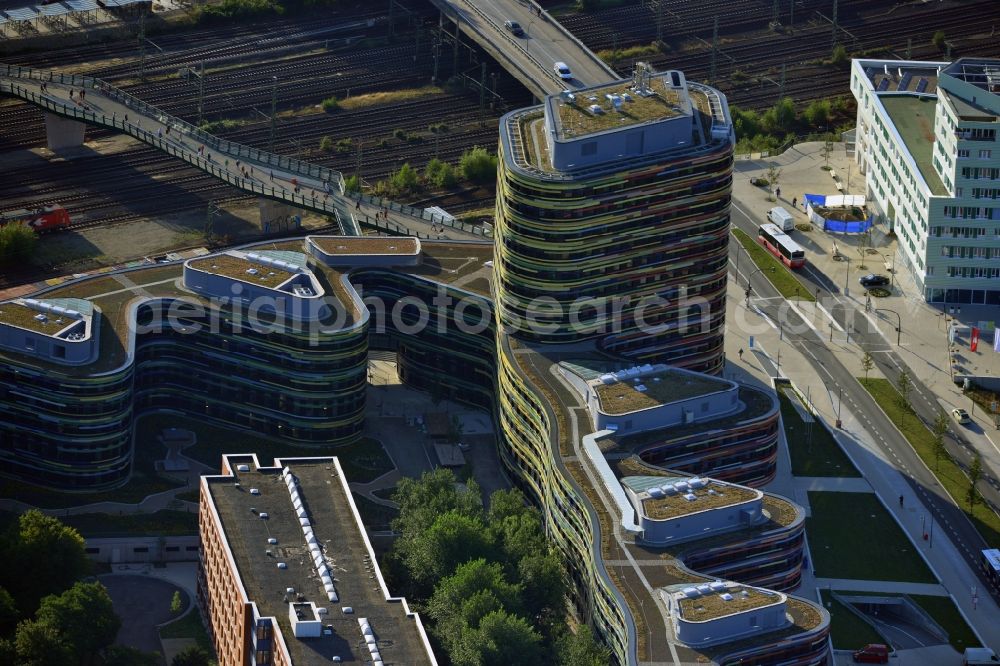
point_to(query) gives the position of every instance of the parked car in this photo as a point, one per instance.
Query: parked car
(873, 653)
(514, 28)
(960, 415)
(562, 71)
(873, 280)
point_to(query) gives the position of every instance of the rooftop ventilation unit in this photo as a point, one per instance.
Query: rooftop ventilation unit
(697, 483)
(641, 388)
(655, 493)
(263, 515)
(255, 491)
(691, 592)
(717, 586)
(681, 486)
(668, 489)
(704, 588)
(252, 271)
(608, 378)
(690, 497)
(726, 596)
(243, 468)
(347, 610)
(282, 565)
(272, 541)
(595, 109)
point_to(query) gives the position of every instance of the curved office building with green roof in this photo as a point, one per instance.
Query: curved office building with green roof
(644, 466)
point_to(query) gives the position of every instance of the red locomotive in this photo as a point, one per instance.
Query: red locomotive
(42, 220)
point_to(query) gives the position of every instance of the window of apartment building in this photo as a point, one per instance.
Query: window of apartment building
(140, 549)
(959, 191)
(985, 154)
(29, 343)
(59, 351)
(963, 152)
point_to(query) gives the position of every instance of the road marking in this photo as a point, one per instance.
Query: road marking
(830, 317)
(802, 315)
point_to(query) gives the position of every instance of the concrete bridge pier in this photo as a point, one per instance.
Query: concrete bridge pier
(278, 215)
(62, 133)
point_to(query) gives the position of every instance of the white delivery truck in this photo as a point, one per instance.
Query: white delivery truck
(782, 218)
(978, 656)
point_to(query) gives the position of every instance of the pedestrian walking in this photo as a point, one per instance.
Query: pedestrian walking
(740, 353)
(159, 133)
(357, 204)
(777, 192)
(126, 117)
(227, 164)
(795, 200)
(900, 500)
(272, 175)
(71, 94)
(82, 93)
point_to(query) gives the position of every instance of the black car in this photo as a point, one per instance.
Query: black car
(872, 280)
(514, 28)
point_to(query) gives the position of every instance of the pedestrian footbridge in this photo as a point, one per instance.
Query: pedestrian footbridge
(282, 183)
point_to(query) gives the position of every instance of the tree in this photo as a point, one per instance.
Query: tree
(904, 385)
(451, 540)
(176, 602)
(939, 429)
(817, 114)
(192, 656)
(8, 613)
(470, 578)
(773, 175)
(780, 118)
(478, 166)
(867, 363)
(42, 556)
(827, 150)
(544, 579)
(581, 649)
(84, 616)
(975, 473)
(422, 500)
(16, 242)
(440, 174)
(40, 644)
(938, 40)
(839, 55)
(405, 180)
(501, 639)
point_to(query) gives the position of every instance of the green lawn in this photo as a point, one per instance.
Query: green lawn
(189, 626)
(848, 631)
(813, 449)
(945, 613)
(783, 280)
(165, 523)
(952, 478)
(851, 535)
(942, 609)
(362, 461)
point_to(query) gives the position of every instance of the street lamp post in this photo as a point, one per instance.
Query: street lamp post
(899, 323)
(892, 269)
(527, 38)
(847, 277)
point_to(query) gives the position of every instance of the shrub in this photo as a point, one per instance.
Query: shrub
(352, 184)
(437, 128)
(330, 104)
(229, 9)
(383, 142)
(405, 180)
(400, 134)
(440, 175)
(344, 146)
(839, 55)
(938, 40)
(817, 114)
(16, 242)
(326, 144)
(739, 75)
(478, 166)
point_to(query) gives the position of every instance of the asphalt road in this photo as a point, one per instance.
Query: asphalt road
(837, 378)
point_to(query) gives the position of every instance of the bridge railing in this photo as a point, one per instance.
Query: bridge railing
(181, 130)
(233, 149)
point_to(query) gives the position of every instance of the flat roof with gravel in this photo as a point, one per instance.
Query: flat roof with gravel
(661, 388)
(367, 245)
(339, 531)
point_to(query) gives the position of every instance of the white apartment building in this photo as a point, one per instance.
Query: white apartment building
(927, 145)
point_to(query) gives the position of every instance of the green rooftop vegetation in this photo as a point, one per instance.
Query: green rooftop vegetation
(577, 120)
(913, 118)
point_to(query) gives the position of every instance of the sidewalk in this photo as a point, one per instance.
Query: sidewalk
(882, 475)
(924, 347)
